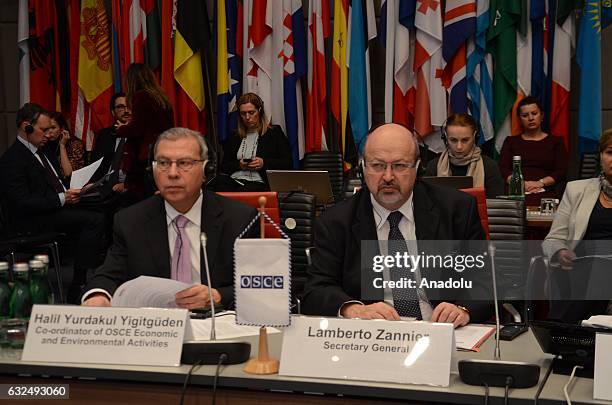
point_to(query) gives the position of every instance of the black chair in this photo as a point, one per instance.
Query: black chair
(589, 165)
(330, 161)
(298, 211)
(507, 228)
(12, 244)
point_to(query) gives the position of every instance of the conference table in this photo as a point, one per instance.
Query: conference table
(117, 384)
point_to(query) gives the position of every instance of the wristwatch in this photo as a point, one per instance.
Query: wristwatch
(463, 308)
(543, 184)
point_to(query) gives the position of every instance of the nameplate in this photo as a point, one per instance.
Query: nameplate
(135, 336)
(353, 349)
(602, 389)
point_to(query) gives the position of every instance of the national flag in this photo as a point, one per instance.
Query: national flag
(362, 29)
(588, 57)
(117, 41)
(294, 61)
(152, 34)
(191, 37)
(41, 44)
(316, 96)
(537, 16)
(524, 54)
(459, 26)
(137, 30)
(228, 67)
(430, 105)
(62, 61)
(559, 115)
(95, 75)
(23, 33)
(501, 41)
(479, 74)
(339, 72)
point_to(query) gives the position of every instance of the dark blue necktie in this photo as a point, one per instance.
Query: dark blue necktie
(405, 300)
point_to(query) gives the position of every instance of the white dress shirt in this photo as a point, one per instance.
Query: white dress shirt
(193, 229)
(248, 150)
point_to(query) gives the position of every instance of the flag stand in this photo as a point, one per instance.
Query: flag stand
(263, 364)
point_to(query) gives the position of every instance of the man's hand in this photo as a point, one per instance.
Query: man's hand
(196, 297)
(450, 313)
(97, 300)
(566, 258)
(378, 310)
(119, 188)
(72, 196)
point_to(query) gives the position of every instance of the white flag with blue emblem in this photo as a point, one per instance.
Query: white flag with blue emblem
(262, 282)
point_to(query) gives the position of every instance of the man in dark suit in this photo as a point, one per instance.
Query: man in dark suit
(36, 200)
(394, 208)
(160, 236)
(109, 148)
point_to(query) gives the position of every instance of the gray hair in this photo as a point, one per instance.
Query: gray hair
(174, 134)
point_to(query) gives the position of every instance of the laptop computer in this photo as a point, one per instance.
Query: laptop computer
(315, 182)
(456, 182)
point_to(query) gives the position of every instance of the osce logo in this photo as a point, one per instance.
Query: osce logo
(275, 282)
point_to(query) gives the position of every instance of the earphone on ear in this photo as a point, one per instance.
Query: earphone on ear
(444, 134)
(29, 129)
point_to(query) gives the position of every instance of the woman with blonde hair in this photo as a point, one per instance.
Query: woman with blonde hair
(151, 115)
(254, 148)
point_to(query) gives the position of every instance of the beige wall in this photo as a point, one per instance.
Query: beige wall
(9, 90)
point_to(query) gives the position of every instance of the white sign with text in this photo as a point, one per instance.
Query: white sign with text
(376, 350)
(602, 389)
(135, 336)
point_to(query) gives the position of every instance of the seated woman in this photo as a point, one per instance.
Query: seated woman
(63, 147)
(253, 149)
(463, 157)
(584, 216)
(543, 157)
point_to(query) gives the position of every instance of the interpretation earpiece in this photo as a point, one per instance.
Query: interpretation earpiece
(29, 129)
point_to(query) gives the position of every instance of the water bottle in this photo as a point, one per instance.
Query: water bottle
(39, 285)
(21, 301)
(516, 190)
(5, 291)
(45, 259)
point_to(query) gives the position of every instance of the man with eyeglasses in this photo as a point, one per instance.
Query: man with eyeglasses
(160, 236)
(110, 148)
(396, 210)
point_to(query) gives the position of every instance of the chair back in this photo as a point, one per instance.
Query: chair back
(589, 165)
(330, 161)
(481, 199)
(252, 199)
(301, 208)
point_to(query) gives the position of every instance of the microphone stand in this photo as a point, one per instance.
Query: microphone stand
(498, 373)
(210, 352)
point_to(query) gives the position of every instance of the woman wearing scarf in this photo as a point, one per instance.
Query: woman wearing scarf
(463, 157)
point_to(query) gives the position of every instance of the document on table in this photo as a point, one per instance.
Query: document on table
(146, 291)
(80, 177)
(225, 328)
(471, 337)
(598, 321)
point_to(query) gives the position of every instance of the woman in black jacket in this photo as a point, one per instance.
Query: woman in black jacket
(256, 147)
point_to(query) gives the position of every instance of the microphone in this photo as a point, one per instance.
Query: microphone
(210, 352)
(498, 373)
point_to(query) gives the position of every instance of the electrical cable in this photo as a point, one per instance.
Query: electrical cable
(187, 378)
(486, 398)
(507, 389)
(566, 386)
(222, 359)
(541, 387)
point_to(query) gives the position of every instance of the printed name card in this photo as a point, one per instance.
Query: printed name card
(602, 389)
(136, 336)
(376, 350)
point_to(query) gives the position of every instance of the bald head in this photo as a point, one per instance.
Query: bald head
(394, 147)
(392, 136)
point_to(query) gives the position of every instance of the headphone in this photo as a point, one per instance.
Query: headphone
(209, 166)
(444, 134)
(29, 129)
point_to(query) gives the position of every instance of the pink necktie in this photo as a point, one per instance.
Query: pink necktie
(181, 260)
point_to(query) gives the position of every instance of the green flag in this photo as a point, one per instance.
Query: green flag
(501, 44)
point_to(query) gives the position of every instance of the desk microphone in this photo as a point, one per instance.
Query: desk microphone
(209, 352)
(498, 373)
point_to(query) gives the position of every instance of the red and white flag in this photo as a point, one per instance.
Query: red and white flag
(316, 98)
(561, 72)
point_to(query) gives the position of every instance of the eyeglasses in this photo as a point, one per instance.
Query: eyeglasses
(248, 113)
(182, 164)
(396, 167)
(121, 107)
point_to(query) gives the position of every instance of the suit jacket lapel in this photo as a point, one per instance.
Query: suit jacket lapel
(585, 207)
(426, 218)
(364, 229)
(212, 226)
(156, 230)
